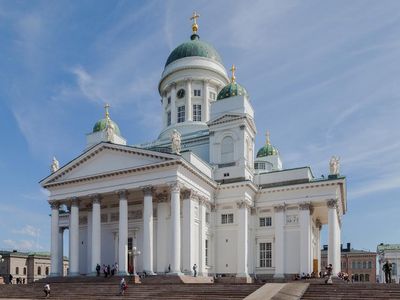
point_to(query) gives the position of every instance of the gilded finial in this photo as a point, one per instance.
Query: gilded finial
(106, 107)
(195, 26)
(267, 141)
(233, 69)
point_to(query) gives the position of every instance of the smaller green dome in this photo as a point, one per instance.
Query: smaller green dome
(267, 149)
(101, 125)
(231, 90)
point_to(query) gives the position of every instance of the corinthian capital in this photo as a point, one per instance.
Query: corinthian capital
(332, 203)
(305, 206)
(188, 194)
(54, 205)
(148, 190)
(175, 187)
(279, 208)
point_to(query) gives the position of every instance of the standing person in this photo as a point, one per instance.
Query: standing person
(122, 286)
(194, 270)
(105, 271)
(10, 278)
(116, 268)
(46, 290)
(329, 274)
(387, 268)
(98, 270)
(109, 270)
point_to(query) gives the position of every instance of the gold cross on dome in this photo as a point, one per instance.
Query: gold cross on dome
(233, 69)
(195, 27)
(267, 138)
(106, 107)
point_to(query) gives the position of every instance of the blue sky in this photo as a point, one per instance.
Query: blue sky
(323, 76)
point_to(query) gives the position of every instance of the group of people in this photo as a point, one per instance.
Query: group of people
(107, 270)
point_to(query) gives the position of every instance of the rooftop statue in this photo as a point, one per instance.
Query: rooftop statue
(55, 165)
(176, 142)
(334, 165)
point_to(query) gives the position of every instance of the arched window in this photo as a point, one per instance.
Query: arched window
(361, 277)
(227, 150)
(39, 271)
(17, 270)
(356, 277)
(47, 270)
(25, 271)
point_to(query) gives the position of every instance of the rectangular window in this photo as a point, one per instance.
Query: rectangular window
(265, 222)
(206, 252)
(17, 270)
(212, 95)
(369, 265)
(197, 112)
(227, 219)
(168, 118)
(197, 93)
(265, 255)
(169, 100)
(353, 265)
(181, 114)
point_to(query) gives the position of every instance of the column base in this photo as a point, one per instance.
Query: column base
(175, 274)
(149, 273)
(72, 274)
(279, 275)
(54, 275)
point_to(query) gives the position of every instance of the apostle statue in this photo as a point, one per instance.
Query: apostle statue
(176, 142)
(109, 133)
(334, 165)
(55, 165)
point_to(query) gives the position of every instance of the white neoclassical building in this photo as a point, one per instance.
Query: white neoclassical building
(198, 194)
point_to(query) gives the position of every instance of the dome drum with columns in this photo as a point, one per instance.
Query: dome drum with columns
(198, 194)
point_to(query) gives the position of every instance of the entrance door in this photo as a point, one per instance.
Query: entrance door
(315, 266)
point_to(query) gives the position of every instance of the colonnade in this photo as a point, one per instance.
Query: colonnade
(122, 239)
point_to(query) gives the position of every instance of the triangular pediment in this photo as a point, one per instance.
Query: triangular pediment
(106, 158)
(226, 118)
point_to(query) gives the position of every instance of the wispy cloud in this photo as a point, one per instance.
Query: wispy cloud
(28, 230)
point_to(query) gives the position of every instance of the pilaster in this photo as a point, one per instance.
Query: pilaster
(148, 230)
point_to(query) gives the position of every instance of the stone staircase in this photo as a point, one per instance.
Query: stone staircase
(87, 288)
(349, 291)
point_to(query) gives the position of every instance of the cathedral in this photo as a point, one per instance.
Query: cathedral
(199, 194)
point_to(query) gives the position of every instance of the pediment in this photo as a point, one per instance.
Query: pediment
(106, 158)
(232, 118)
(226, 118)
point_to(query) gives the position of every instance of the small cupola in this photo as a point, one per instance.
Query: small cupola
(268, 158)
(233, 88)
(105, 130)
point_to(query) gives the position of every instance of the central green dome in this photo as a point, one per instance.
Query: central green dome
(194, 47)
(101, 125)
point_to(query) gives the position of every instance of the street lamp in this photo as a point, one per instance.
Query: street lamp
(135, 252)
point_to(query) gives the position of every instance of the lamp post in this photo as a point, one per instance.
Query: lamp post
(135, 252)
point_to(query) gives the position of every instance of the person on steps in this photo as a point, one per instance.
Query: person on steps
(46, 290)
(329, 274)
(387, 268)
(194, 270)
(98, 269)
(122, 286)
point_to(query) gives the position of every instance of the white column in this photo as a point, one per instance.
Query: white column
(202, 238)
(164, 109)
(333, 236)
(305, 238)
(319, 226)
(123, 233)
(61, 251)
(189, 108)
(89, 231)
(148, 230)
(74, 238)
(162, 239)
(175, 229)
(243, 239)
(188, 232)
(54, 240)
(279, 218)
(96, 233)
(206, 103)
(173, 104)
